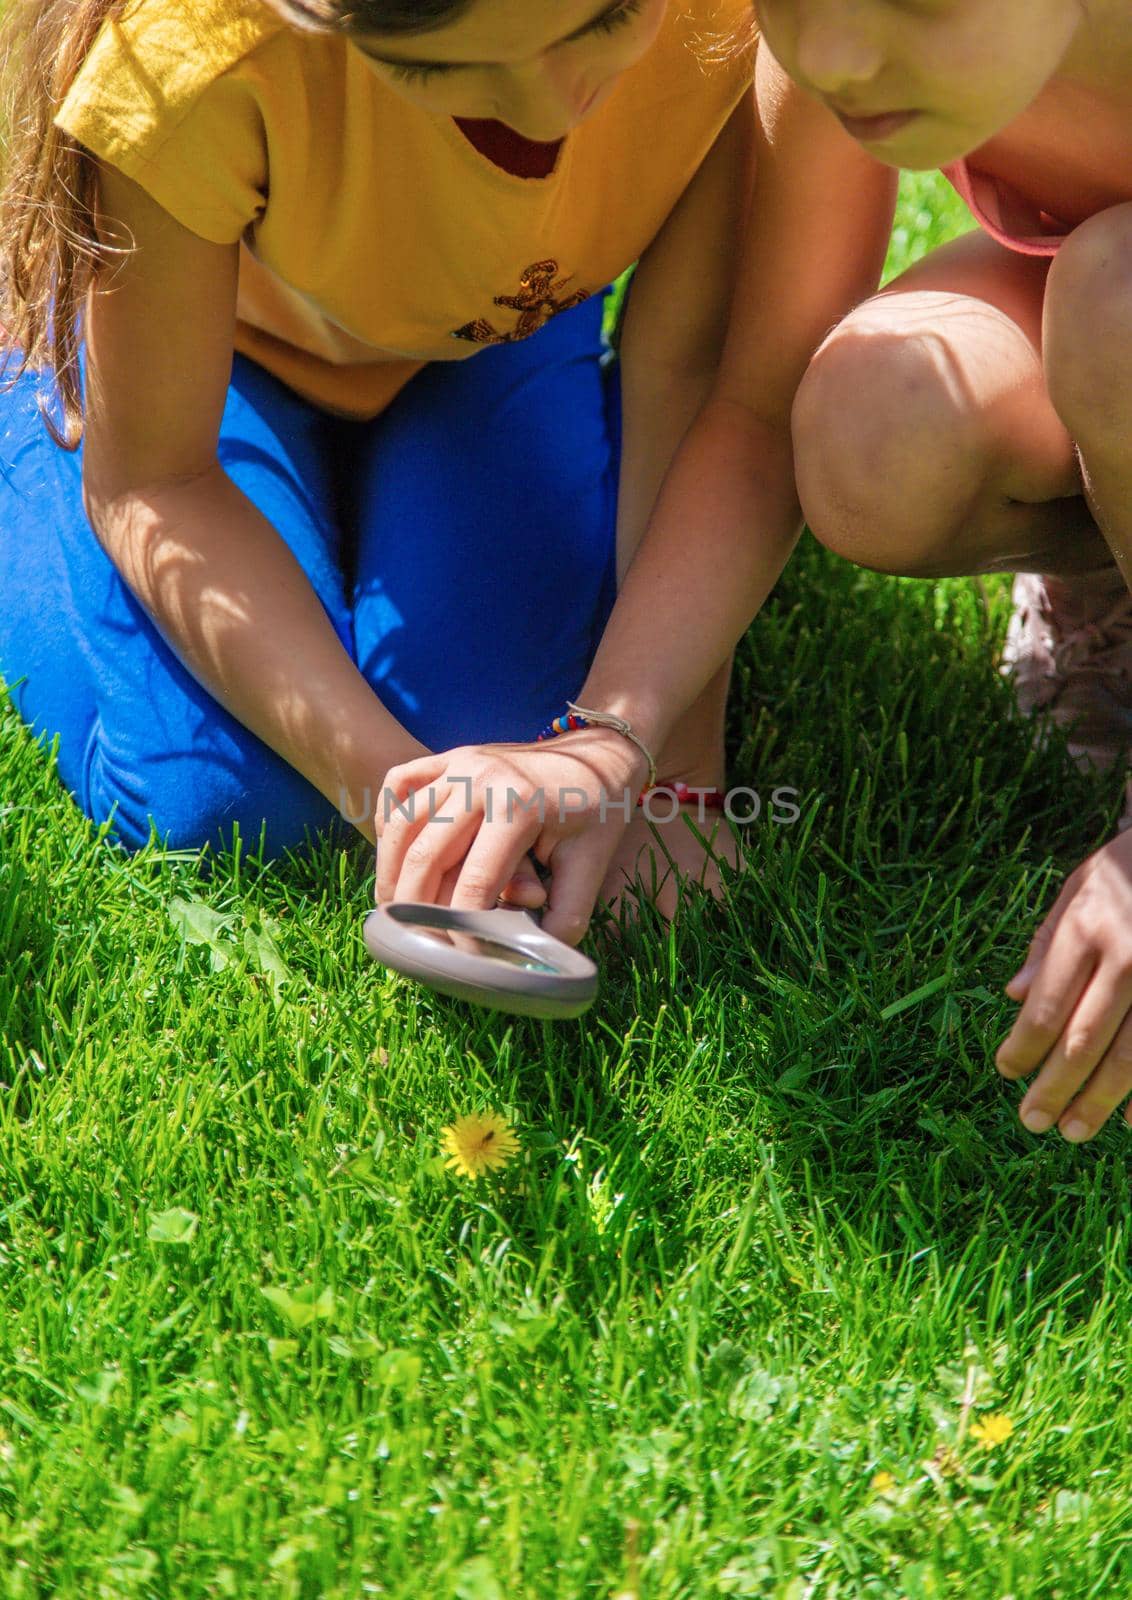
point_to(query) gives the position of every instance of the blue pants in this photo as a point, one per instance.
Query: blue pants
(462, 545)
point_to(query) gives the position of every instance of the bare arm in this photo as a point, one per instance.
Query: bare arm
(721, 532)
(219, 582)
(723, 528)
(728, 516)
(676, 322)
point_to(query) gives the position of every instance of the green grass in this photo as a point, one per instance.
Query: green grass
(775, 1228)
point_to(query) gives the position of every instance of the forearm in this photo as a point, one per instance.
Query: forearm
(658, 408)
(724, 528)
(234, 605)
(728, 516)
(676, 322)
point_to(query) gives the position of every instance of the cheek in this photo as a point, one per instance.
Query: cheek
(653, 19)
(997, 77)
(623, 50)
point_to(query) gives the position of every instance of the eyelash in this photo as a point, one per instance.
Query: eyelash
(619, 18)
(607, 24)
(406, 74)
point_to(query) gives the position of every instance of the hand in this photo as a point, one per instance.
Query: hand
(666, 860)
(463, 821)
(1076, 985)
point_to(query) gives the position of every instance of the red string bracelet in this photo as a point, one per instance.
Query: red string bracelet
(709, 798)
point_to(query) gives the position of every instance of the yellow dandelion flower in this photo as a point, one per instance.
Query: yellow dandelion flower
(883, 1482)
(481, 1142)
(992, 1430)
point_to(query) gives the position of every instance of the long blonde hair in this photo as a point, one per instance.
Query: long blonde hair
(50, 248)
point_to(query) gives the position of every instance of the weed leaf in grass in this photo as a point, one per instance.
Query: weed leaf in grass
(97, 1389)
(263, 951)
(133, 1568)
(302, 1307)
(477, 1580)
(175, 1226)
(361, 1349)
(399, 1369)
(198, 923)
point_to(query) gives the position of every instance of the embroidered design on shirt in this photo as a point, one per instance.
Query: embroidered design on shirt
(536, 302)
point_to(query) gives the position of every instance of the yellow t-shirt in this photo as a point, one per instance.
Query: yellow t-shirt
(374, 236)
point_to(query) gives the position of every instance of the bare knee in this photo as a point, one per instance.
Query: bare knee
(1088, 332)
(891, 447)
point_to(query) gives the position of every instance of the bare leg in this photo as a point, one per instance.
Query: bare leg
(1088, 359)
(926, 440)
(941, 429)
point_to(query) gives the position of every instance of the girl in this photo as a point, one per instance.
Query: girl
(348, 486)
(989, 429)
(974, 417)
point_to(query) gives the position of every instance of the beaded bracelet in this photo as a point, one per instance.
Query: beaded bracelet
(576, 717)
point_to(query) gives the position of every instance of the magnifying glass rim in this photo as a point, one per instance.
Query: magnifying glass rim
(399, 935)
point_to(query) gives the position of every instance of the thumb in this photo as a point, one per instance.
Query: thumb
(579, 866)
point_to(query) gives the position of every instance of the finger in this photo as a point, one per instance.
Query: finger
(1109, 1084)
(1083, 1042)
(578, 866)
(401, 782)
(647, 877)
(394, 837)
(525, 887)
(496, 855)
(1022, 981)
(447, 884)
(438, 847)
(400, 830)
(1067, 967)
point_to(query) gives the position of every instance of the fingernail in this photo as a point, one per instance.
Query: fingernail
(1076, 1130)
(1037, 1121)
(1020, 976)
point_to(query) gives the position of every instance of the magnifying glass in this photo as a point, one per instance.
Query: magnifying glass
(500, 959)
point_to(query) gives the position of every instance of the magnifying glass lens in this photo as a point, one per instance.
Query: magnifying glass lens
(500, 959)
(475, 944)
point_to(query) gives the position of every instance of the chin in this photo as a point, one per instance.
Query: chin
(924, 154)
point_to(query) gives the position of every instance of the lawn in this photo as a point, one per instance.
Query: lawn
(778, 1299)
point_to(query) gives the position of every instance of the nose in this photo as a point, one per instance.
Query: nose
(544, 100)
(837, 53)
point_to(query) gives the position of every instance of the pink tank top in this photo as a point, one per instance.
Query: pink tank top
(1005, 214)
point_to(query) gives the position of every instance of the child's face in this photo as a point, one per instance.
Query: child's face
(540, 66)
(922, 82)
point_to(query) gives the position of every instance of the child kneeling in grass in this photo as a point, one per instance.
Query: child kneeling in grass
(973, 417)
(977, 416)
(356, 476)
